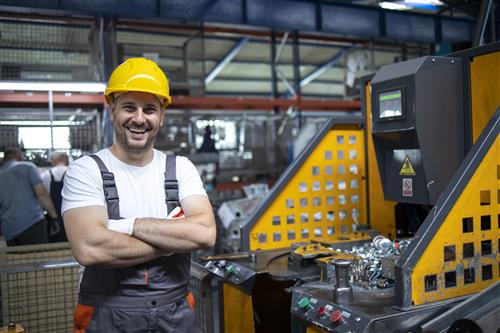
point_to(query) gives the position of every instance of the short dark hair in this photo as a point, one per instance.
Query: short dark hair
(12, 153)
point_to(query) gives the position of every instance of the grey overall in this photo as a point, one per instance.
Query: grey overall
(149, 297)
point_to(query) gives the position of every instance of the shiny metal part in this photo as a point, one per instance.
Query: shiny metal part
(375, 266)
(342, 291)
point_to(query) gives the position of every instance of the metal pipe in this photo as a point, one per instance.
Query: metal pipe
(493, 32)
(281, 48)
(21, 99)
(226, 59)
(51, 117)
(482, 19)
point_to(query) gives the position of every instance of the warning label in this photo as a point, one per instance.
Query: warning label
(407, 168)
(407, 187)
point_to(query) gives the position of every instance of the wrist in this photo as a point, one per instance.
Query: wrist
(124, 226)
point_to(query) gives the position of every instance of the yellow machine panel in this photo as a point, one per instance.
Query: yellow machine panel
(322, 199)
(380, 212)
(463, 255)
(238, 310)
(314, 329)
(485, 90)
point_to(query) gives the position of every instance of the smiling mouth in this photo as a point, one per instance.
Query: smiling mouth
(137, 131)
(137, 134)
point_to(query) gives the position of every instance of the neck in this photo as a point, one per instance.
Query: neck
(139, 158)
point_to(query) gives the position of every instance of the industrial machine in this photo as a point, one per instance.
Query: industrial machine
(254, 285)
(428, 152)
(319, 200)
(412, 102)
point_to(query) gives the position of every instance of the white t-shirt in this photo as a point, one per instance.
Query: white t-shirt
(57, 172)
(140, 189)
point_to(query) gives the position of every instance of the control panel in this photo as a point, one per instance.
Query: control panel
(230, 271)
(327, 315)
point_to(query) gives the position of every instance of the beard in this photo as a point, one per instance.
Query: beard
(136, 140)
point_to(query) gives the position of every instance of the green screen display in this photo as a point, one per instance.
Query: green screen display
(390, 104)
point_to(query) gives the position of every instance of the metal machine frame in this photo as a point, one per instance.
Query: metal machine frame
(456, 244)
(456, 252)
(320, 195)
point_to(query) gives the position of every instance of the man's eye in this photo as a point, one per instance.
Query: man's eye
(150, 110)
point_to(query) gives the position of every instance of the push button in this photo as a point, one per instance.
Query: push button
(336, 316)
(304, 303)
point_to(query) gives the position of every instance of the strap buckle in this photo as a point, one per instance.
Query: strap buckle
(108, 181)
(171, 191)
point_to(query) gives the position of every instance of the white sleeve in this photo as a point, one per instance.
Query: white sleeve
(82, 185)
(189, 180)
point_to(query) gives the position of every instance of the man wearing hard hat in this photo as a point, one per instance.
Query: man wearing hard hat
(118, 207)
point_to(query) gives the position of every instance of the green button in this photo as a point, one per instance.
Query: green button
(231, 269)
(303, 303)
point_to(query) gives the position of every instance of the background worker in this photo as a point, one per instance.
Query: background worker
(22, 218)
(53, 181)
(136, 260)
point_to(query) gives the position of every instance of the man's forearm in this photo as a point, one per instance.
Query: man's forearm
(47, 204)
(95, 245)
(119, 250)
(176, 235)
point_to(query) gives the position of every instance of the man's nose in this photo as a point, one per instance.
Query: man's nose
(140, 116)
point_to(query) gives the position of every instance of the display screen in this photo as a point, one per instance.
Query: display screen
(390, 104)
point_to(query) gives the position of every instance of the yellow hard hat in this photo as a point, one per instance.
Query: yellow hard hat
(139, 74)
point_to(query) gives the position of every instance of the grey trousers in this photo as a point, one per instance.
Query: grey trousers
(173, 317)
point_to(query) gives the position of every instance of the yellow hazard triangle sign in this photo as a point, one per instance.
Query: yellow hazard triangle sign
(407, 168)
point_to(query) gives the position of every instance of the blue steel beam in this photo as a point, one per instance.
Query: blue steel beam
(293, 15)
(226, 60)
(323, 68)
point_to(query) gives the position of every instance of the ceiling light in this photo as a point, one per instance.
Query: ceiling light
(425, 2)
(97, 87)
(40, 123)
(393, 5)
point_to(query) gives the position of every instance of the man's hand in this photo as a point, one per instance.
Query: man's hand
(182, 233)
(93, 244)
(54, 226)
(176, 213)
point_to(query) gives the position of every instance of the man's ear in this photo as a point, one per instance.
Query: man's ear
(111, 110)
(163, 111)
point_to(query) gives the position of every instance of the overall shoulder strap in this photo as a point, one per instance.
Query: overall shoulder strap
(51, 175)
(109, 188)
(170, 184)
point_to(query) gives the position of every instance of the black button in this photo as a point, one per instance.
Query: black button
(153, 302)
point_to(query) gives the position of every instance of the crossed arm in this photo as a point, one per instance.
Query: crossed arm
(94, 244)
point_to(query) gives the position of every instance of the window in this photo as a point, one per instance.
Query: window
(430, 282)
(468, 250)
(469, 275)
(485, 222)
(450, 279)
(276, 220)
(467, 225)
(449, 253)
(486, 247)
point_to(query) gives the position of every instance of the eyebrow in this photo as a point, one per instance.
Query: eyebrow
(149, 105)
(152, 105)
(128, 104)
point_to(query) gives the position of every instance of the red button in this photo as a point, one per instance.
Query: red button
(321, 310)
(336, 316)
